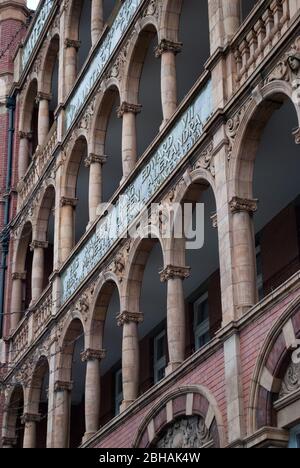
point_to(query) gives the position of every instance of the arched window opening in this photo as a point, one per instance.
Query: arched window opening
(45, 230)
(202, 290)
(14, 426)
(111, 366)
(39, 404)
(84, 32)
(194, 35)
(77, 426)
(277, 219)
(145, 81)
(28, 129)
(246, 7)
(82, 208)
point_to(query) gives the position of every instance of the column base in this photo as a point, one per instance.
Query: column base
(125, 405)
(164, 123)
(173, 366)
(87, 436)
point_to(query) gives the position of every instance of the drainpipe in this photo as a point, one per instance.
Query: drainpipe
(4, 238)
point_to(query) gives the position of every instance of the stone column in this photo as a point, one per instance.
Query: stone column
(95, 163)
(38, 248)
(174, 276)
(92, 390)
(244, 257)
(62, 414)
(168, 50)
(43, 118)
(128, 113)
(231, 17)
(24, 153)
(30, 421)
(96, 20)
(16, 299)
(130, 356)
(67, 226)
(71, 47)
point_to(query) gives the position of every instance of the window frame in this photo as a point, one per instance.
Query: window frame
(294, 441)
(204, 327)
(118, 395)
(161, 363)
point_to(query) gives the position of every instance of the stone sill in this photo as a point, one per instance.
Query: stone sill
(267, 437)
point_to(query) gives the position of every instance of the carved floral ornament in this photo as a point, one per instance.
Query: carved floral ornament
(187, 433)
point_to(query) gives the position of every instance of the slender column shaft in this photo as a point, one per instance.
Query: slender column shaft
(174, 277)
(130, 356)
(24, 154)
(43, 119)
(70, 63)
(67, 234)
(95, 164)
(16, 300)
(129, 138)
(37, 269)
(96, 20)
(62, 414)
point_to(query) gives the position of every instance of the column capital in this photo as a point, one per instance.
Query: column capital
(43, 96)
(25, 135)
(238, 204)
(19, 276)
(168, 46)
(38, 245)
(61, 386)
(174, 272)
(126, 107)
(9, 441)
(93, 355)
(127, 317)
(72, 43)
(67, 201)
(95, 159)
(30, 417)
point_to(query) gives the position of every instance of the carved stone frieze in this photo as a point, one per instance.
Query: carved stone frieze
(118, 265)
(233, 125)
(288, 67)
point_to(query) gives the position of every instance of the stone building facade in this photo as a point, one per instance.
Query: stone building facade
(109, 341)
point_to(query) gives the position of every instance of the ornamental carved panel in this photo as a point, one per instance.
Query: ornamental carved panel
(188, 433)
(291, 380)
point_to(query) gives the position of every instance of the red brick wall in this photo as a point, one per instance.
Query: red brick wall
(209, 374)
(252, 339)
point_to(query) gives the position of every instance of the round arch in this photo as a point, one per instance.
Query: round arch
(137, 53)
(180, 404)
(271, 365)
(255, 118)
(48, 64)
(102, 295)
(73, 329)
(170, 19)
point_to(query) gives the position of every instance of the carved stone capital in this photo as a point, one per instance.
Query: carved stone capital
(127, 317)
(43, 97)
(125, 108)
(67, 201)
(95, 159)
(25, 135)
(38, 245)
(61, 386)
(93, 355)
(19, 276)
(174, 272)
(29, 417)
(167, 46)
(72, 43)
(238, 204)
(9, 441)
